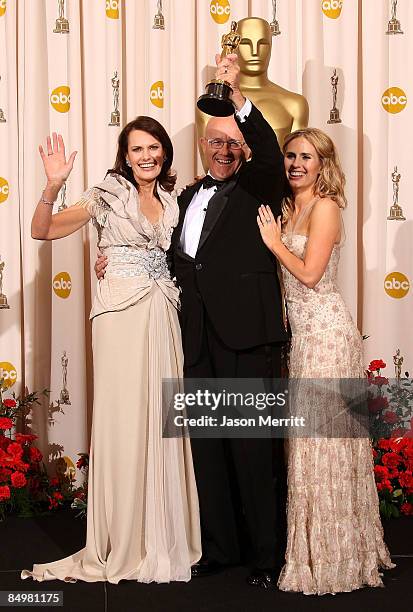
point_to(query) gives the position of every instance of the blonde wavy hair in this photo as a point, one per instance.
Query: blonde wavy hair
(331, 180)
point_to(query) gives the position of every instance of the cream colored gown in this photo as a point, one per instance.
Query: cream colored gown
(335, 537)
(143, 517)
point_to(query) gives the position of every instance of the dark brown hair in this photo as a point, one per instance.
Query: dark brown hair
(167, 177)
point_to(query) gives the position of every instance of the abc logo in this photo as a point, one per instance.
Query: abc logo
(396, 285)
(112, 9)
(8, 373)
(332, 8)
(156, 94)
(2, 7)
(62, 285)
(220, 10)
(394, 100)
(4, 189)
(60, 98)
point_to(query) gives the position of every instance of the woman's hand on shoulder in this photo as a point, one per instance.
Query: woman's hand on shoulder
(56, 167)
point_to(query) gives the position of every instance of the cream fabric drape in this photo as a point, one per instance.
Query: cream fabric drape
(161, 73)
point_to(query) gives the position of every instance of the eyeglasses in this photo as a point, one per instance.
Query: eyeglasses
(218, 143)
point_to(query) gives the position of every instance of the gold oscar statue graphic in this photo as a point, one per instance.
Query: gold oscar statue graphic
(398, 362)
(64, 393)
(216, 101)
(62, 24)
(159, 19)
(274, 25)
(285, 111)
(393, 27)
(115, 114)
(2, 117)
(62, 194)
(334, 113)
(3, 299)
(396, 212)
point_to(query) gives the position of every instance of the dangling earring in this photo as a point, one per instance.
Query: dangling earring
(128, 163)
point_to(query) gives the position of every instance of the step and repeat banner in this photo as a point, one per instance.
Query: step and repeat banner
(84, 68)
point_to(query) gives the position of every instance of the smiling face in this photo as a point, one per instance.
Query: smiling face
(223, 163)
(146, 156)
(254, 50)
(302, 164)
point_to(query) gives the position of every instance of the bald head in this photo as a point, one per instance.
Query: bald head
(223, 161)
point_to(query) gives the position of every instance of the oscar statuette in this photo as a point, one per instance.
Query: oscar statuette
(115, 114)
(274, 25)
(62, 24)
(216, 101)
(334, 112)
(159, 19)
(3, 298)
(396, 211)
(393, 27)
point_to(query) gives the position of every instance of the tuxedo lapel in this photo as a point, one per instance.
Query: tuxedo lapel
(216, 206)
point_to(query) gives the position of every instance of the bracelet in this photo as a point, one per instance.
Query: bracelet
(42, 199)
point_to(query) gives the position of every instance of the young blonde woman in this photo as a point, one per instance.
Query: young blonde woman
(335, 538)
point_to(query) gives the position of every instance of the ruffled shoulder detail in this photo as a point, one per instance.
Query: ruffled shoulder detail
(95, 205)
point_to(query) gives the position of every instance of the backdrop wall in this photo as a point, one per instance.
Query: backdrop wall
(52, 81)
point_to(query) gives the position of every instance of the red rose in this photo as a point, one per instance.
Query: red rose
(376, 364)
(384, 444)
(381, 473)
(35, 454)
(25, 438)
(15, 450)
(20, 466)
(406, 508)
(9, 403)
(18, 480)
(6, 423)
(4, 441)
(4, 475)
(406, 480)
(57, 496)
(385, 485)
(392, 460)
(376, 404)
(379, 381)
(54, 482)
(390, 417)
(4, 493)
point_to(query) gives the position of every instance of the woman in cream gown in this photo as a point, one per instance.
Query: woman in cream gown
(143, 517)
(334, 536)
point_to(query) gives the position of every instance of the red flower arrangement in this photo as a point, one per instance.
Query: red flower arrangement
(24, 484)
(393, 471)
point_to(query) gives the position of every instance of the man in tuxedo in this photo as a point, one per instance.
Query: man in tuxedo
(232, 324)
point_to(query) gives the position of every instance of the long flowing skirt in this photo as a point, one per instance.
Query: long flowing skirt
(143, 516)
(335, 537)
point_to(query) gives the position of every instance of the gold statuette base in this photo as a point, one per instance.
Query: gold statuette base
(64, 397)
(396, 214)
(62, 26)
(2, 117)
(115, 118)
(334, 116)
(393, 27)
(3, 301)
(159, 22)
(275, 28)
(216, 100)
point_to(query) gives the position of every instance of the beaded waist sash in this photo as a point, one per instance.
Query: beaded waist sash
(126, 261)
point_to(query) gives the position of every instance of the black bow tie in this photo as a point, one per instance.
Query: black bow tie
(208, 181)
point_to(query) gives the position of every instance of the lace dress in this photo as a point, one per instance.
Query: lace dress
(143, 516)
(335, 537)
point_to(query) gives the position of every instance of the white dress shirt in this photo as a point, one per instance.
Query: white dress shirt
(196, 211)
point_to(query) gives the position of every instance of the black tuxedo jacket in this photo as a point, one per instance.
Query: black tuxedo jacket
(233, 276)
